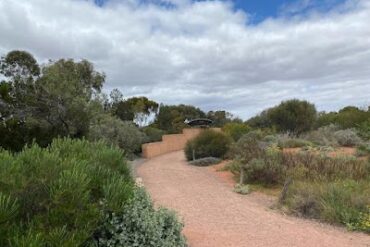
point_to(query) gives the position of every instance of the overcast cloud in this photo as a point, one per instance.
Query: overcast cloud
(203, 53)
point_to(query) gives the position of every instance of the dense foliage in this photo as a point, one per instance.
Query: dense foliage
(331, 188)
(140, 224)
(42, 103)
(209, 143)
(235, 130)
(116, 132)
(74, 193)
(171, 118)
(52, 197)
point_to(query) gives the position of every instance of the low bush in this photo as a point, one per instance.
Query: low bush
(286, 141)
(116, 132)
(51, 197)
(347, 138)
(363, 149)
(205, 161)
(248, 147)
(140, 224)
(74, 192)
(242, 189)
(341, 202)
(236, 130)
(153, 134)
(323, 136)
(331, 135)
(209, 143)
(363, 130)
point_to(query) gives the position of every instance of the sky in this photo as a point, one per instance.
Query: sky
(241, 56)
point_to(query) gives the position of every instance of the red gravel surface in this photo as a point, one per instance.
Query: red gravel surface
(215, 216)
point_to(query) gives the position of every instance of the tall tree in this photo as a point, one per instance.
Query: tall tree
(136, 109)
(171, 118)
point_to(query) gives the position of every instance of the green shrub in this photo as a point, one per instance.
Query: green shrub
(242, 189)
(209, 143)
(363, 149)
(116, 132)
(153, 134)
(140, 224)
(236, 130)
(347, 138)
(267, 170)
(205, 161)
(55, 193)
(364, 129)
(248, 147)
(294, 116)
(342, 202)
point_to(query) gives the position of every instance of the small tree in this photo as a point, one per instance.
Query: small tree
(295, 116)
(236, 130)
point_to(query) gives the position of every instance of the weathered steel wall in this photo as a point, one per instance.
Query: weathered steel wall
(170, 143)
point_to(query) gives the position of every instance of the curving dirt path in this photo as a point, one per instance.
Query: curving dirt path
(215, 216)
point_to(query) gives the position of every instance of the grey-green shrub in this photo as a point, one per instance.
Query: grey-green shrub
(323, 136)
(117, 132)
(205, 161)
(140, 224)
(347, 137)
(208, 143)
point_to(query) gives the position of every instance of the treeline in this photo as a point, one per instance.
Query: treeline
(297, 117)
(64, 98)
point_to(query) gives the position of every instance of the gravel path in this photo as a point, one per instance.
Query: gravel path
(215, 216)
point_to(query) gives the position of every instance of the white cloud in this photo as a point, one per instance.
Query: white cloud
(203, 53)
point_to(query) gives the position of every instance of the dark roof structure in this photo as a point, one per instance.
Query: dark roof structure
(199, 122)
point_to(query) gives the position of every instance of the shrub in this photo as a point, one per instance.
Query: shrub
(348, 138)
(323, 136)
(341, 202)
(205, 161)
(209, 143)
(116, 132)
(140, 224)
(295, 116)
(153, 134)
(248, 147)
(242, 189)
(46, 193)
(236, 130)
(267, 170)
(286, 141)
(363, 149)
(364, 129)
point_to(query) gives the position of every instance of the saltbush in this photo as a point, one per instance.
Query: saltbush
(140, 224)
(209, 143)
(347, 138)
(324, 136)
(117, 132)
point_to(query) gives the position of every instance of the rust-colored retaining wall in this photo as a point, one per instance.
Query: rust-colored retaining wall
(170, 143)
